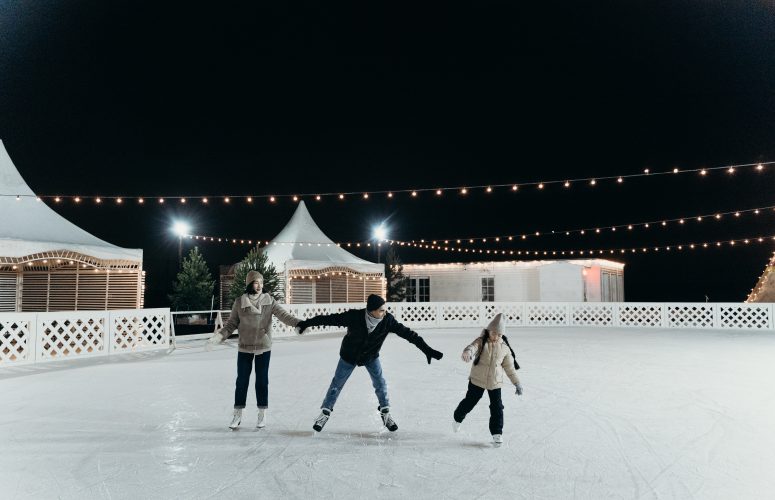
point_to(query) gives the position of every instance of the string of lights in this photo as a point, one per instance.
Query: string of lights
(435, 245)
(366, 195)
(662, 223)
(591, 252)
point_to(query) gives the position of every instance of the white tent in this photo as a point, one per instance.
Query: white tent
(764, 291)
(42, 255)
(314, 269)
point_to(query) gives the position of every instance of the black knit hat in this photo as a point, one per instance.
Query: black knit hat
(374, 302)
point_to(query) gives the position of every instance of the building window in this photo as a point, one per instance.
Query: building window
(418, 290)
(488, 289)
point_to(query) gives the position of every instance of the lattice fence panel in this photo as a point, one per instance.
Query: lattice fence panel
(77, 334)
(546, 314)
(514, 313)
(745, 316)
(419, 314)
(456, 314)
(640, 315)
(139, 330)
(690, 316)
(586, 314)
(17, 339)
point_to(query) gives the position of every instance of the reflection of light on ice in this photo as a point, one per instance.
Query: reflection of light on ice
(610, 413)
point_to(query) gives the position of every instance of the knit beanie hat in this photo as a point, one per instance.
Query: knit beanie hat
(374, 302)
(497, 325)
(253, 276)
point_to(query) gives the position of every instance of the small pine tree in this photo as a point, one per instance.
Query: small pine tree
(256, 260)
(193, 289)
(394, 276)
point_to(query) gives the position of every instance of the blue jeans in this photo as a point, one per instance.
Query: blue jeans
(343, 371)
(244, 367)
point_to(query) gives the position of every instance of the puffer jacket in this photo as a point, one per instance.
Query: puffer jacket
(495, 360)
(255, 323)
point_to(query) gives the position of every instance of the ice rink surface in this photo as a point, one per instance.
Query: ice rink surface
(609, 413)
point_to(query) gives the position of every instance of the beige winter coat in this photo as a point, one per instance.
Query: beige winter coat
(495, 360)
(255, 323)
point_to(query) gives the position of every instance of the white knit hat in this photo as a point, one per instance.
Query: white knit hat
(253, 276)
(497, 325)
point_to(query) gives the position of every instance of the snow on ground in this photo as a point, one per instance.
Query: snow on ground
(613, 413)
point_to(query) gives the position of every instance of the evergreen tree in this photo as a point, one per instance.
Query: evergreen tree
(193, 289)
(256, 260)
(394, 276)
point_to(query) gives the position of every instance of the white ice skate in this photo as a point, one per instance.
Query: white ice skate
(236, 419)
(320, 422)
(261, 422)
(456, 426)
(497, 440)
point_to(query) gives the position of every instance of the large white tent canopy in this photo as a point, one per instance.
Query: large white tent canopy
(302, 245)
(29, 227)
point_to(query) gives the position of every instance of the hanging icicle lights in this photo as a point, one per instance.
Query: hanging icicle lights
(390, 194)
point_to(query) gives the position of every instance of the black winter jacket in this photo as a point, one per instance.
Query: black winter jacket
(359, 347)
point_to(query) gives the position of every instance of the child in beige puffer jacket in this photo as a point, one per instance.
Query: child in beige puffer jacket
(492, 357)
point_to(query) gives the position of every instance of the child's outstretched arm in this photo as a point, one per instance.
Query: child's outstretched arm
(511, 372)
(470, 351)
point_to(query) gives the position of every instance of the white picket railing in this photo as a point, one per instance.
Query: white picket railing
(706, 316)
(40, 337)
(53, 336)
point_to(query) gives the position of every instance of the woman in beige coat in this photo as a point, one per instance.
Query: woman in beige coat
(252, 315)
(492, 357)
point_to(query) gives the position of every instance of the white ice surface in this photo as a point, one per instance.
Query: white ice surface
(606, 414)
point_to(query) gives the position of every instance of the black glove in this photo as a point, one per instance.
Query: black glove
(301, 325)
(429, 351)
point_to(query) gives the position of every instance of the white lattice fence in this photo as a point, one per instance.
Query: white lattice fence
(75, 334)
(17, 339)
(461, 314)
(644, 315)
(139, 330)
(419, 314)
(513, 312)
(690, 316)
(745, 316)
(585, 314)
(546, 314)
(64, 335)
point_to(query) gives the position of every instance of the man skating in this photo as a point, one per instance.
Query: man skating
(366, 331)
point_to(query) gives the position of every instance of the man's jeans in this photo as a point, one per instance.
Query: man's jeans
(343, 371)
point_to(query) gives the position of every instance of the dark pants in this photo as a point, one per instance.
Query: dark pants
(473, 395)
(244, 366)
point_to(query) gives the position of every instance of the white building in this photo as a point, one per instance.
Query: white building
(580, 280)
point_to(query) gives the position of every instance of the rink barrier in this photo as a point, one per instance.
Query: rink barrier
(42, 337)
(674, 315)
(54, 336)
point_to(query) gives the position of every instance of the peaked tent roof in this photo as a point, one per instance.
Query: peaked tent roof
(302, 245)
(28, 226)
(764, 291)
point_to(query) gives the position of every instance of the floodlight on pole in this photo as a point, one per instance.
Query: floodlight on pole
(380, 234)
(180, 229)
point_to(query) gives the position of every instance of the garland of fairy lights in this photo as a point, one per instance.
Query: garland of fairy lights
(680, 221)
(438, 191)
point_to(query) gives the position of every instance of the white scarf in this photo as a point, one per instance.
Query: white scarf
(371, 322)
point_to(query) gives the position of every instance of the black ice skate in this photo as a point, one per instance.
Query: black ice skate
(384, 412)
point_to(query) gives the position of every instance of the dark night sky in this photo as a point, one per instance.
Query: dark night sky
(137, 98)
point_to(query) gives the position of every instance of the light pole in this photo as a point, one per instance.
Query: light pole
(380, 234)
(180, 229)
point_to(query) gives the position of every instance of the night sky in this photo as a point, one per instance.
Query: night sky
(137, 98)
